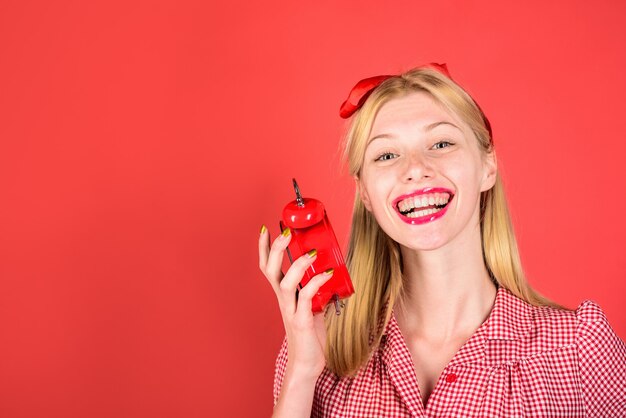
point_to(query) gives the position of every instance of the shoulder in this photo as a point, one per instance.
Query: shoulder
(575, 326)
(586, 326)
(593, 325)
(595, 336)
(589, 312)
(540, 328)
(580, 341)
(546, 328)
(549, 318)
(602, 362)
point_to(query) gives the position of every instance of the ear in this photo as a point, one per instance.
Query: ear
(363, 194)
(490, 171)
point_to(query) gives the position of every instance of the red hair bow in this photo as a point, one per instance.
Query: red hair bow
(359, 94)
(361, 91)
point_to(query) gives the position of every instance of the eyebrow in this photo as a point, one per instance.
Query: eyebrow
(443, 122)
(427, 128)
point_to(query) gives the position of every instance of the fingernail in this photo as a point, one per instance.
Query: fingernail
(329, 272)
(286, 232)
(312, 253)
(263, 229)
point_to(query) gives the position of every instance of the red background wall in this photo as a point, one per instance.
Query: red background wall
(143, 144)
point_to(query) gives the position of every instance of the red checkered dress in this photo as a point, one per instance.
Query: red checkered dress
(523, 361)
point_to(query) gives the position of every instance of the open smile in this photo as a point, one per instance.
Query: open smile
(425, 205)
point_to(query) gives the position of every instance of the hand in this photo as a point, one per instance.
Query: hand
(306, 332)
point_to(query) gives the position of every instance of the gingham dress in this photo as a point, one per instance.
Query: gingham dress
(523, 361)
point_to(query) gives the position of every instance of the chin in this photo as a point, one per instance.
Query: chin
(422, 248)
(422, 244)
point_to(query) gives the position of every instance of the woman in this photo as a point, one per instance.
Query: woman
(442, 322)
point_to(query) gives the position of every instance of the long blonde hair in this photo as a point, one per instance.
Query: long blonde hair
(374, 259)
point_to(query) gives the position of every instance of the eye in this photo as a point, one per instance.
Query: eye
(386, 156)
(441, 143)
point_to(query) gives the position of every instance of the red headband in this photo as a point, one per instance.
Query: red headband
(361, 91)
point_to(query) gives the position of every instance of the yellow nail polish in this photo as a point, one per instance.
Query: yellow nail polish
(286, 232)
(312, 253)
(263, 229)
(329, 272)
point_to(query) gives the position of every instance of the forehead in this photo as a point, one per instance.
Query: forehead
(415, 111)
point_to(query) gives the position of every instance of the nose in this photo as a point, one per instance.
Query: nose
(416, 168)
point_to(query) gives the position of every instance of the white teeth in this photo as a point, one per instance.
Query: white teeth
(423, 201)
(422, 213)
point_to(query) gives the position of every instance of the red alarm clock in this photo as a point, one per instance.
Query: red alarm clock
(310, 229)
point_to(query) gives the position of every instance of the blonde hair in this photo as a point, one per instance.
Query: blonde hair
(374, 259)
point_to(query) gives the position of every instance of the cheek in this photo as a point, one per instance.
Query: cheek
(378, 188)
(465, 173)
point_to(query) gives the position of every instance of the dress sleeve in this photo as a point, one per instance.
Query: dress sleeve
(279, 371)
(602, 362)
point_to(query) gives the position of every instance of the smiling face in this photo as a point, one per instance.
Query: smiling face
(423, 173)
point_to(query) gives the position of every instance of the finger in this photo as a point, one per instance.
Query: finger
(289, 284)
(305, 296)
(264, 247)
(275, 259)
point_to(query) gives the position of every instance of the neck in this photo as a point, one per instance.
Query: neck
(447, 292)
